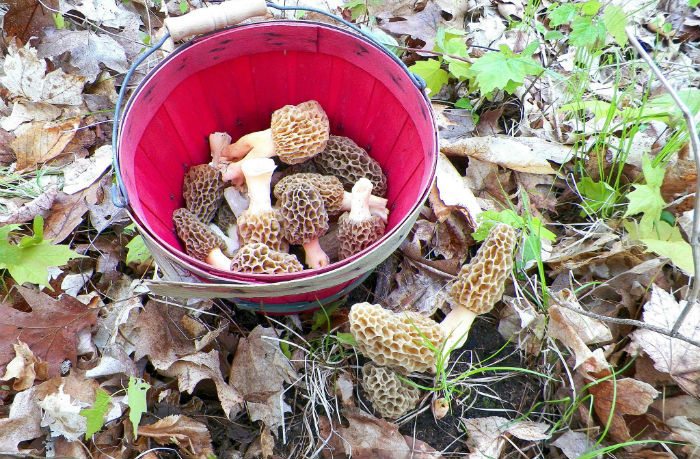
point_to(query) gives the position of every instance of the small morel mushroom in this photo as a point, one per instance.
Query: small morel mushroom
(390, 397)
(218, 141)
(258, 258)
(200, 242)
(349, 162)
(203, 191)
(226, 220)
(479, 285)
(259, 223)
(304, 220)
(335, 198)
(297, 133)
(359, 229)
(404, 341)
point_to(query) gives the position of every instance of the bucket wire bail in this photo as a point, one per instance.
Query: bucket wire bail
(119, 194)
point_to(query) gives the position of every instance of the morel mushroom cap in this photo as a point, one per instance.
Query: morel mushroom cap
(200, 242)
(297, 133)
(258, 258)
(203, 190)
(226, 220)
(479, 285)
(359, 229)
(304, 220)
(390, 397)
(397, 340)
(348, 161)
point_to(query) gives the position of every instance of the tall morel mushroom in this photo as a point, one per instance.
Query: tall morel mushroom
(259, 223)
(404, 341)
(258, 258)
(297, 133)
(349, 162)
(359, 229)
(479, 285)
(200, 242)
(335, 198)
(203, 191)
(304, 220)
(390, 397)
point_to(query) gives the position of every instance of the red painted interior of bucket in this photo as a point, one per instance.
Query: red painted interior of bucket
(233, 80)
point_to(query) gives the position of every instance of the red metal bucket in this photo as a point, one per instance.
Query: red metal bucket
(232, 81)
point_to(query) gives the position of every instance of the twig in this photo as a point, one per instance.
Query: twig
(694, 293)
(631, 322)
(432, 53)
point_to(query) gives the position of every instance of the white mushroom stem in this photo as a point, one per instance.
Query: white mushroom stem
(456, 326)
(359, 206)
(376, 205)
(258, 174)
(254, 145)
(315, 256)
(232, 244)
(217, 259)
(218, 141)
(236, 201)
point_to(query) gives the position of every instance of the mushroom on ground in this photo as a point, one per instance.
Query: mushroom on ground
(390, 397)
(359, 229)
(304, 220)
(258, 258)
(404, 341)
(348, 161)
(335, 198)
(218, 141)
(479, 285)
(203, 190)
(259, 223)
(297, 133)
(200, 242)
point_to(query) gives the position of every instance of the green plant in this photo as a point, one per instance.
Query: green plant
(136, 399)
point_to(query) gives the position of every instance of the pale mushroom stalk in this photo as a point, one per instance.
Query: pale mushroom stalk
(200, 241)
(376, 205)
(315, 256)
(217, 259)
(254, 145)
(456, 326)
(258, 175)
(359, 229)
(218, 141)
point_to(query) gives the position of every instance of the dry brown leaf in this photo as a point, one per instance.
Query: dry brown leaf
(83, 172)
(23, 112)
(418, 289)
(686, 431)
(486, 436)
(22, 423)
(422, 25)
(185, 432)
(454, 193)
(37, 206)
(24, 368)
(573, 444)
(66, 213)
(678, 358)
(453, 122)
(7, 154)
(39, 142)
(519, 321)
(61, 414)
(28, 18)
(51, 329)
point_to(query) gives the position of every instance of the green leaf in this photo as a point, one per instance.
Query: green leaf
(598, 108)
(653, 175)
(502, 70)
(59, 21)
(446, 35)
(137, 252)
(553, 35)
(346, 338)
(383, 38)
(615, 21)
(647, 200)
(322, 316)
(284, 346)
(30, 260)
(136, 398)
(96, 415)
(532, 249)
(665, 240)
(586, 32)
(597, 194)
(663, 108)
(183, 6)
(435, 77)
(489, 218)
(562, 14)
(693, 3)
(590, 8)
(463, 102)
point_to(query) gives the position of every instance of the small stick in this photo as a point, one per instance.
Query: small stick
(694, 293)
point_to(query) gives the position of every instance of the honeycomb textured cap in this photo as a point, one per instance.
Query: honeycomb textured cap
(263, 227)
(203, 190)
(395, 340)
(329, 187)
(257, 258)
(299, 131)
(390, 397)
(198, 238)
(481, 282)
(355, 237)
(349, 162)
(225, 216)
(303, 214)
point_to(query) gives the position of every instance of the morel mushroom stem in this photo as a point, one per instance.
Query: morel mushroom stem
(217, 259)
(218, 141)
(254, 145)
(359, 207)
(456, 326)
(376, 205)
(258, 175)
(315, 256)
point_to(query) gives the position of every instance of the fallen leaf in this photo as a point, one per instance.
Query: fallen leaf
(417, 290)
(112, 317)
(67, 212)
(50, 329)
(573, 444)
(84, 172)
(25, 76)
(422, 25)
(103, 212)
(87, 51)
(37, 206)
(455, 193)
(23, 423)
(678, 358)
(38, 142)
(104, 12)
(687, 432)
(185, 432)
(7, 154)
(486, 436)
(28, 18)
(61, 414)
(23, 368)
(23, 112)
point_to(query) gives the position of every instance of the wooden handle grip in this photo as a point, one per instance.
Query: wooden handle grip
(215, 17)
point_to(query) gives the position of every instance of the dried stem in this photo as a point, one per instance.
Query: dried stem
(694, 293)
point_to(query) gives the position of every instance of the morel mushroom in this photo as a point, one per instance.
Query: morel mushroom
(390, 397)
(348, 161)
(479, 285)
(203, 190)
(396, 340)
(304, 220)
(297, 133)
(258, 258)
(335, 198)
(358, 229)
(200, 242)
(259, 223)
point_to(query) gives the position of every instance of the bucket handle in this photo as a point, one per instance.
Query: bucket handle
(205, 20)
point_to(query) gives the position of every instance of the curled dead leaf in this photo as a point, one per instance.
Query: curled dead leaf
(192, 436)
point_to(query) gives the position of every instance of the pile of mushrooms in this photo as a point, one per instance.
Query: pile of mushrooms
(330, 197)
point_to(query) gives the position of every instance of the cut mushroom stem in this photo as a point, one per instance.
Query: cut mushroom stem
(315, 256)
(258, 174)
(254, 145)
(456, 326)
(218, 141)
(376, 205)
(359, 207)
(217, 259)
